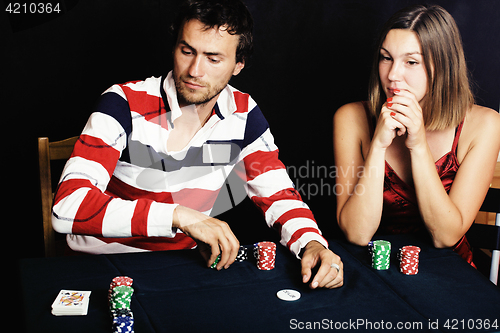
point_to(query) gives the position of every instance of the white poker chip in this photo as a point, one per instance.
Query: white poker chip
(288, 295)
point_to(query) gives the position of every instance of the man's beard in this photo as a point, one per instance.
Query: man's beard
(185, 95)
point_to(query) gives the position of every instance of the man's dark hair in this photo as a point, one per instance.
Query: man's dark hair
(230, 14)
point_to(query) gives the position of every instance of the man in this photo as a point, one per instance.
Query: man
(153, 156)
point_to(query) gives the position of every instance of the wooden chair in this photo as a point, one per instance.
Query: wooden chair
(486, 236)
(47, 152)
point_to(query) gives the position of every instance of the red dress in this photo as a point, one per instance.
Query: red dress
(400, 212)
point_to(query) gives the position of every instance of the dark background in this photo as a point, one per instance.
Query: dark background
(310, 58)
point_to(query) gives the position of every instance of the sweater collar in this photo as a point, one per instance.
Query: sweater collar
(225, 105)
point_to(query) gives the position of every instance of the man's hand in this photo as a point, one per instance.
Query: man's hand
(327, 276)
(213, 236)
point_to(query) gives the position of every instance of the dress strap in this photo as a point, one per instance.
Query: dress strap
(458, 131)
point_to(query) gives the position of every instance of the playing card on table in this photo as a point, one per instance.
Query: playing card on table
(71, 303)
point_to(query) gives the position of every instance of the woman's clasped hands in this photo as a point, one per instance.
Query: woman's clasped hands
(401, 115)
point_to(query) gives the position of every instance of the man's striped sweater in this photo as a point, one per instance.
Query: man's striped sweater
(119, 189)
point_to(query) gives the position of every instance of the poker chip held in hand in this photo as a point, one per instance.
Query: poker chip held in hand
(214, 264)
(408, 259)
(119, 298)
(265, 253)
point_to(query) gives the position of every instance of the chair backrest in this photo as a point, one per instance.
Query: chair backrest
(487, 236)
(492, 201)
(47, 152)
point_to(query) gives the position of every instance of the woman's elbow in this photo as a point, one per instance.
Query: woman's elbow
(355, 237)
(359, 241)
(445, 241)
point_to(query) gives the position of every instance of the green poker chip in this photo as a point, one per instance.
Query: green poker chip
(121, 297)
(215, 262)
(381, 254)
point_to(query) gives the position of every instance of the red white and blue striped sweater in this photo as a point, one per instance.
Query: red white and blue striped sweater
(119, 188)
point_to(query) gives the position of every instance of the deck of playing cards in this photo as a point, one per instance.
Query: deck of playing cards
(71, 303)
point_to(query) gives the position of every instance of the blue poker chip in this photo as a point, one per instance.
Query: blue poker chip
(123, 324)
(242, 254)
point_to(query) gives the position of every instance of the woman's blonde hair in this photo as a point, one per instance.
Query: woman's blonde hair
(449, 95)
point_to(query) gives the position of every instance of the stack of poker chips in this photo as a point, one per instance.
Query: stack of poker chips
(242, 254)
(408, 260)
(381, 254)
(120, 297)
(265, 253)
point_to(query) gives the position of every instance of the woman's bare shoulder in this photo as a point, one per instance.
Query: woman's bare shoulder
(481, 129)
(351, 127)
(480, 119)
(352, 111)
(352, 116)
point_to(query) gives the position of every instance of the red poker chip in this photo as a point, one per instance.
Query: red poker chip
(409, 271)
(265, 255)
(122, 281)
(409, 259)
(119, 281)
(410, 248)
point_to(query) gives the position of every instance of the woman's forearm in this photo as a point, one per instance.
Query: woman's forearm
(440, 215)
(359, 217)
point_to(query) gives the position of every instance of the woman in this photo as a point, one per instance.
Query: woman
(427, 151)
